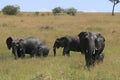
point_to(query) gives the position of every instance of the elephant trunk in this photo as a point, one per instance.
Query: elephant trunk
(54, 50)
(55, 46)
(15, 53)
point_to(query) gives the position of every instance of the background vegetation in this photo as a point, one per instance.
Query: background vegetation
(48, 28)
(14, 10)
(70, 11)
(11, 10)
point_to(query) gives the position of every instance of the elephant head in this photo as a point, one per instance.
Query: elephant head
(15, 45)
(59, 42)
(9, 42)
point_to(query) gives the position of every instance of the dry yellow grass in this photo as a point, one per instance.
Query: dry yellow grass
(48, 28)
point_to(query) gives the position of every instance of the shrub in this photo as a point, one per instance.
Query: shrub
(11, 10)
(71, 11)
(57, 10)
(37, 13)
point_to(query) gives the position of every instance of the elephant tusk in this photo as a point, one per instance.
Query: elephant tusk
(94, 51)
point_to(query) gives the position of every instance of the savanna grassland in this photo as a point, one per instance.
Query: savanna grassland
(47, 28)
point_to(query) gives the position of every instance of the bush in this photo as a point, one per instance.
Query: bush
(71, 11)
(57, 10)
(37, 13)
(10, 10)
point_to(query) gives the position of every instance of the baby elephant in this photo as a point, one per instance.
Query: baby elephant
(43, 50)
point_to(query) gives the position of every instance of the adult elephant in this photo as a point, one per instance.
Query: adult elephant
(68, 43)
(92, 45)
(28, 45)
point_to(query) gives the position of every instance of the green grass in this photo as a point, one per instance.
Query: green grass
(48, 28)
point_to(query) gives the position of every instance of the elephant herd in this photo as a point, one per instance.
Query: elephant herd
(90, 44)
(30, 45)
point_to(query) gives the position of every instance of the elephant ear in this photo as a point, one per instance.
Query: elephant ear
(9, 42)
(57, 40)
(65, 40)
(83, 35)
(56, 43)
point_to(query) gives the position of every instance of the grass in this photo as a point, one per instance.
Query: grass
(48, 28)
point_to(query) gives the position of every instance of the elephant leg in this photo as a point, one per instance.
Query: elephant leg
(100, 57)
(33, 53)
(86, 59)
(15, 54)
(63, 54)
(66, 51)
(41, 52)
(22, 53)
(19, 54)
(93, 59)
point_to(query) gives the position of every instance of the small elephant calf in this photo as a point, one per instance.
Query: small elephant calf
(43, 50)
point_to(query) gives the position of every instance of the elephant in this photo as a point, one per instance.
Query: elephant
(100, 57)
(42, 50)
(14, 44)
(92, 45)
(68, 43)
(29, 45)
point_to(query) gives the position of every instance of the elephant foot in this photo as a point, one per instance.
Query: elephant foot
(63, 54)
(68, 55)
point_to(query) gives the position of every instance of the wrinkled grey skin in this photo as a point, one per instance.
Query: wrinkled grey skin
(68, 43)
(92, 45)
(23, 46)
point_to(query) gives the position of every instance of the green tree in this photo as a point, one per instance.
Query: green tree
(11, 10)
(57, 10)
(71, 11)
(115, 2)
